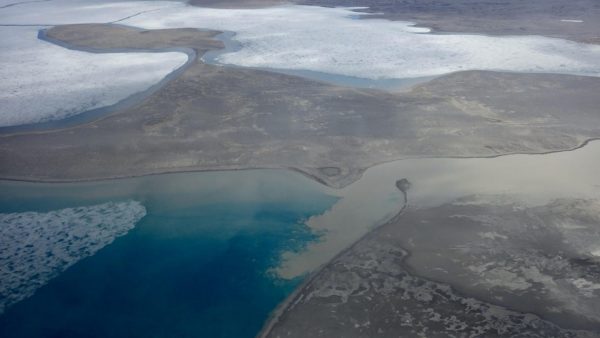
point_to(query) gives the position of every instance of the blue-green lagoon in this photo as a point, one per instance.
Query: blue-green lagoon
(174, 255)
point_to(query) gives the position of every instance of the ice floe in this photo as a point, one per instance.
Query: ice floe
(37, 246)
(40, 81)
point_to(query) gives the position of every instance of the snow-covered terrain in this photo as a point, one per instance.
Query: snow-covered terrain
(37, 246)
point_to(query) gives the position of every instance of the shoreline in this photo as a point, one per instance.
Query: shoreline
(301, 171)
(293, 298)
(289, 302)
(296, 295)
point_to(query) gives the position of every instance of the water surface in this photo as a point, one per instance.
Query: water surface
(197, 265)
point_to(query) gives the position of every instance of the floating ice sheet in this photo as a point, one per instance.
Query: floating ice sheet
(37, 246)
(40, 81)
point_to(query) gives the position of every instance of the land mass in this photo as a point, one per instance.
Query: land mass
(577, 20)
(216, 118)
(467, 268)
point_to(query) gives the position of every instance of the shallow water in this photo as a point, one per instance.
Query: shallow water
(197, 265)
(373, 199)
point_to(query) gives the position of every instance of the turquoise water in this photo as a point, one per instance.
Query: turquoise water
(197, 265)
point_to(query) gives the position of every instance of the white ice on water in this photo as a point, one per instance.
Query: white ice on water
(332, 40)
(40, 81)
(36, 246)
(532, 179)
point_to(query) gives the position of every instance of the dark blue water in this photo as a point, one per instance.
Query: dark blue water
(197, 265)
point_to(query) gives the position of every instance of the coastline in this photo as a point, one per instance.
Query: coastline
(297, 296)
(289, 303)
(314, 173)
(294, 297)
(303, 171)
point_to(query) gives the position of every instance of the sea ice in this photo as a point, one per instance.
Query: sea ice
(40, 81)
(37, 246)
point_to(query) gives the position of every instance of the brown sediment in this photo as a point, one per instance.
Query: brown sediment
(296, 295)
(455, 243)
